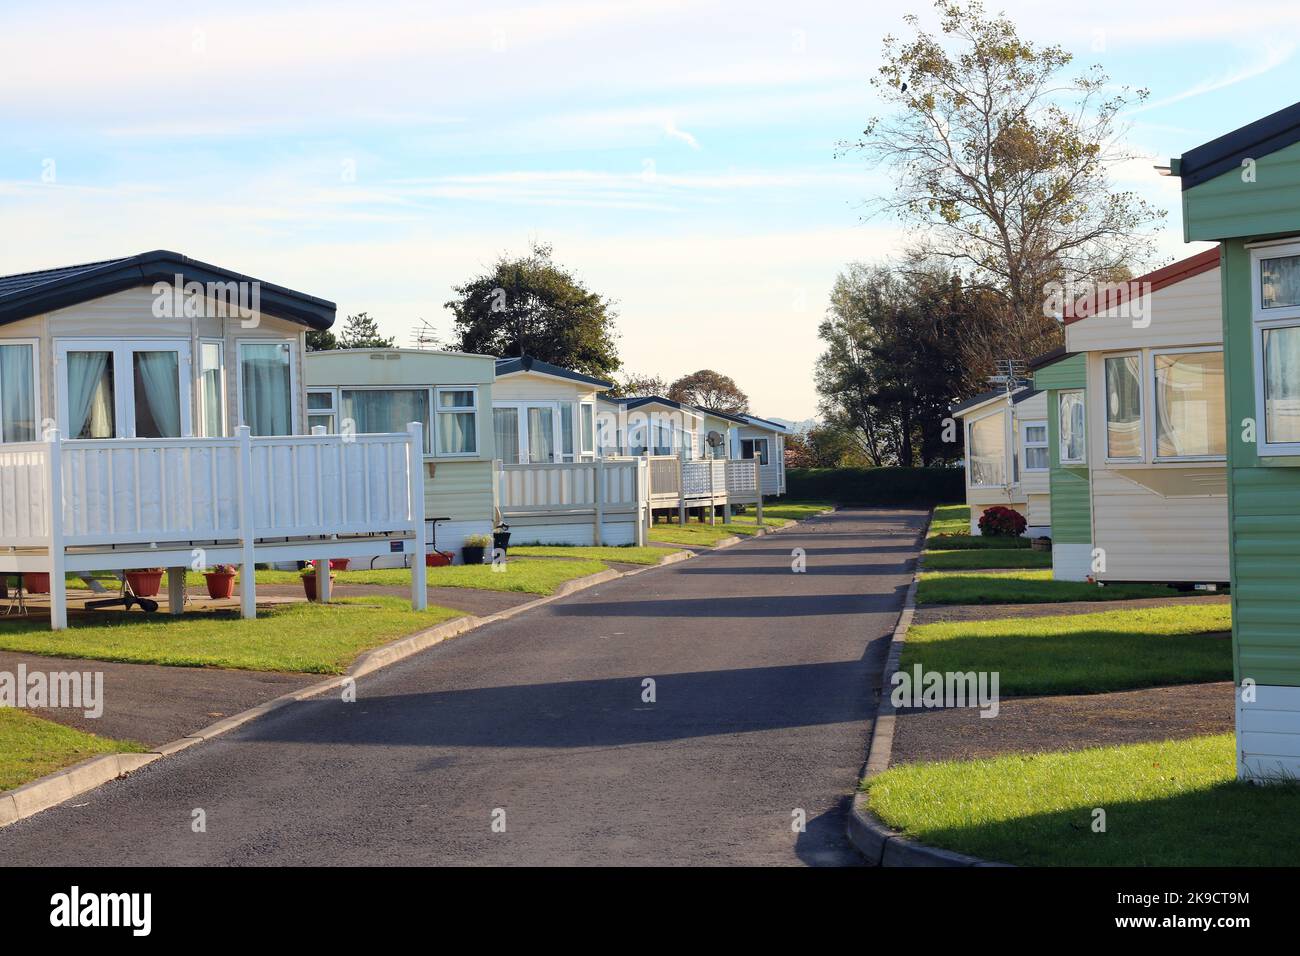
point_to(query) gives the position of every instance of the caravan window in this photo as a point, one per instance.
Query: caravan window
(1124, 407)
(17, 391)
(986, 445)
(1189, 410)
(750, 446)
(1276, 319)
(1036, 446)
(1073, 436)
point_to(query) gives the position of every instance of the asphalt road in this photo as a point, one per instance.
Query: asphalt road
(763, 700)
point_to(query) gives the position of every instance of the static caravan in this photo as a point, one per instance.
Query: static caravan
(542, 413)
(1007, 455)
(1062, 377)
(1156, 430)
(378, 390)
(1242, 190)
(760, 438)
(153, 414)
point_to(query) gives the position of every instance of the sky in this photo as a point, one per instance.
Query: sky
(679, 157)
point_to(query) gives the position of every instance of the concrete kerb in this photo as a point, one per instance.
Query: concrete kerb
(62, 785)
(878, 844)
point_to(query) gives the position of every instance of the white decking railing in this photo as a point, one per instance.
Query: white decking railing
(128, 499)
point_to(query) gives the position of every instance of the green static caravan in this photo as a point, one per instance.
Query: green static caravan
(1006, 456)
(1243, 191)
(450, 394)
(1062, 377)
(1153, 440)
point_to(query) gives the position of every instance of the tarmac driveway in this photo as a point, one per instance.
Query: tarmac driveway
(540, 739)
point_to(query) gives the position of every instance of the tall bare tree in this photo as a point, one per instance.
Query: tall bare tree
(1001, 165)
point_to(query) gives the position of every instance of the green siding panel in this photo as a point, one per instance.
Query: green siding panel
(1226, 206)
(1263, 505)
(1070, 489)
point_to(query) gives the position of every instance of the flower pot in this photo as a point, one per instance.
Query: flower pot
(220, 585)
(309, 586)
(1041, 544)
(438, 559)
(500, 541)
(472, 553)
(339, 564)
(145, 583)
(36, 582)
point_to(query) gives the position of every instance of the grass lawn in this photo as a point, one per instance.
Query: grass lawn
(1167, 804)
(1023, 587)
(625, 555)
(701, 535)
(1083, 653)
(312, 638)
(795, 510)
(973, 559)
(950, 530)
(772, 521)
(31, 747)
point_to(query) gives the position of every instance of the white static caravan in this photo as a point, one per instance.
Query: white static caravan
(1156, 426)
(1006, 456)
(760, 438)
(367, 390)
(542, 413)
(152, 413)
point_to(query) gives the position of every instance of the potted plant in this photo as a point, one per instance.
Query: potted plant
(145, 582)
(475, 545)
(221, 581)
(1002, 522)
(501, 538)
(36, 582)
(339, 564)
(309, 580)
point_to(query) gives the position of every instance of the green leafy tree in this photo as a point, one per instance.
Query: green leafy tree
(1001, 165)
(640, 386)
(532, 306)
(321, 340)
(712, 390)
(360, 331)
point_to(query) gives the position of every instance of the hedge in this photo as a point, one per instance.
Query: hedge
(877, 486)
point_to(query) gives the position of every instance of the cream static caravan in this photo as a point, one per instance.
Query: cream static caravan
(1156, 426)
(450, 394)
(1006, 458)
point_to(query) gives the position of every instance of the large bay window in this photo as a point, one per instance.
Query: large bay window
(986, 446)
(1124, 406)
(1072, 425)
(1189, 405)
(18, 391)
(128, 388)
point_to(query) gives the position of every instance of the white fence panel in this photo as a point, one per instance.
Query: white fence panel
(742, 478)
(24, 494)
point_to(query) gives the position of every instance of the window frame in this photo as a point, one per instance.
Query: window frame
(1143, 422)
(435, 421)
(223, 402)
(295, 422)
(1152, 354)
(1263, 320)
(1060, 439)
(123, 351)
(35, 344)
(332, 413)
(1004, 412)
(1045, 444)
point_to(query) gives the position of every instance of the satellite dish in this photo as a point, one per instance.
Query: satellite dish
(714, 439)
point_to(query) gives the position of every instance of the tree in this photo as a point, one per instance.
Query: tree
(640, 386)
(321, 340)
(1001, 166)
(360, 331)
(531, 306)
(895, 340)
(710, 390)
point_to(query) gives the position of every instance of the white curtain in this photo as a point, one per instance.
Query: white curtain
(157, 395)
(90, 395)
(457, 433)
(541, 436)
(1190, 418)
(566, 430)
(505, 425)
(1282, 384)
(17, 394)
(268, 399)
(385, 410)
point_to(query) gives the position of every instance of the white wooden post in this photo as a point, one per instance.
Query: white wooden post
(598, 473)
(247, 563)
(419, 581)
(175, 591)
(713, 491)
(642, 501)
(54, 487)
(323, 593)
(681, 489)
(758, 490)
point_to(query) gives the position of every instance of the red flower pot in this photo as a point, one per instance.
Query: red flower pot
(220, 585)
(339, 564)
(36, 582)
(144, 583)
(437, 559)
(309, 586)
